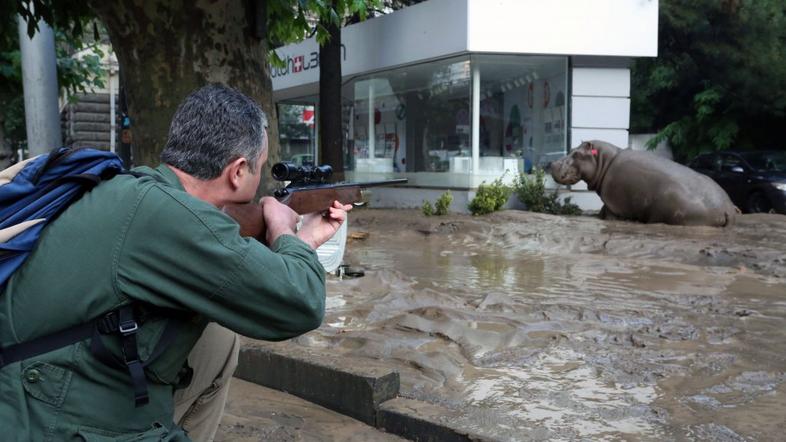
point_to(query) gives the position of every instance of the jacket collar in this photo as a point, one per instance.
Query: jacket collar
(163, 174)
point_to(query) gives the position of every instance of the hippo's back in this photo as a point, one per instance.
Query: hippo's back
(697, 191)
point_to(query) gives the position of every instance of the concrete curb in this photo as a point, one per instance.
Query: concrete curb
(367, 392)
(423, 422)
(353, 391)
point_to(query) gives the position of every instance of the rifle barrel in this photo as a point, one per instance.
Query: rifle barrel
(342, 185)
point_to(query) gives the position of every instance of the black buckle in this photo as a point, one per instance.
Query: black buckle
(128, 327)
(112, 323)
(108, 323)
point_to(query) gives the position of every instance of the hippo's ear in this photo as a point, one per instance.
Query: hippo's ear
(589, 148)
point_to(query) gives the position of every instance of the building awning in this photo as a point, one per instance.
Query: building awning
(442, 28)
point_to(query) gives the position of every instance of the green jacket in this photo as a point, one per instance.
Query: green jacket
(142, 239)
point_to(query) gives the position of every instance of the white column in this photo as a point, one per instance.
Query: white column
(371, 129)
(475, 117)
(39, 81)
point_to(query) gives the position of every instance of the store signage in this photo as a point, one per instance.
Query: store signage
(300, 63)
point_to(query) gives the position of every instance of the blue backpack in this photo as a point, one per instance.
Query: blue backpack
(34, 192)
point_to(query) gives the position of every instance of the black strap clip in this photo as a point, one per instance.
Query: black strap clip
(127, 326)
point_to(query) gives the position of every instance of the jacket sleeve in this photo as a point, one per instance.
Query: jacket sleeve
(180, 252)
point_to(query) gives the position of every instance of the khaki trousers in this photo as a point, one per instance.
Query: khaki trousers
(198, 407)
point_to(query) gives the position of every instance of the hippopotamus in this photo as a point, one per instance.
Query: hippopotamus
(640, 186)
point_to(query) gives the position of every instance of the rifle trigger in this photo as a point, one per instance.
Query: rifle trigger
(280, 193)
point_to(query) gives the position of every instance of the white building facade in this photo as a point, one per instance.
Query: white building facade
(451, 93)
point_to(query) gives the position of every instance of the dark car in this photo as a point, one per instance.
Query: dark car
(755, 180)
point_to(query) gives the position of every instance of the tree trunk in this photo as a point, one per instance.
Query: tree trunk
(168, 49)
(5, 154)
(331, 132)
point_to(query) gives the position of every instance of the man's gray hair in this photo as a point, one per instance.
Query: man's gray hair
(212, 127)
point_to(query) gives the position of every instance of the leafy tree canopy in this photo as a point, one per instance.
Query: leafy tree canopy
(73, 74)
(719, 80)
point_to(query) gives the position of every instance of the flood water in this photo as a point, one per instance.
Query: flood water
(535, 327)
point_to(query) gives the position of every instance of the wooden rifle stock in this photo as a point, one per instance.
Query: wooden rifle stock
(305, 199)
(318, 198)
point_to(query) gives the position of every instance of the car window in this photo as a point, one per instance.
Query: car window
(767, 161)
(707, 162)
(730, 161)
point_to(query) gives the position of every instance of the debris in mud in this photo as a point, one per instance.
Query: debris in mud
(346, 271)
(357, 235)
(441, 228)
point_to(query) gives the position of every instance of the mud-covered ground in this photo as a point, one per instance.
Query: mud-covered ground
(537, 327)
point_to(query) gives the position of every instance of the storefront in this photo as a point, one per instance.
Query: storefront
(451, 93)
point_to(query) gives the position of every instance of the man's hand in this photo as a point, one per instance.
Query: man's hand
(320, 227)
(279, 219)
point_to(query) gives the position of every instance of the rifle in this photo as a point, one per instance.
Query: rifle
(307, 192)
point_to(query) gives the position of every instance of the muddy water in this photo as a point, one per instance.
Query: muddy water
(536, 327)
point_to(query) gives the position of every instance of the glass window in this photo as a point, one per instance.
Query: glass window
(297, 132)
(418, 119)
(730, 161)
(412, 119)
(523, 108)
(767, 161)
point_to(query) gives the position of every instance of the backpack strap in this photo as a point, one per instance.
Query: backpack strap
(123, 322)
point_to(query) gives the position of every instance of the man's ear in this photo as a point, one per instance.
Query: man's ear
(236, 171)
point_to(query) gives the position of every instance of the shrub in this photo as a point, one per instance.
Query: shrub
(531, 190)
(490, 197)
(443, 204)
(427, 208)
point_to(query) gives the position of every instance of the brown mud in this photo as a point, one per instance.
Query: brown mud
(537, 327)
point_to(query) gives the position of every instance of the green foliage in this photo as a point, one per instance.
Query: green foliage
(71, 17)
(440, 207)
(443, 203)
(490, 197)
(427, 208)
(290, 21)
(531, 190)
(719, 80)
(73, 75)
(76, 75)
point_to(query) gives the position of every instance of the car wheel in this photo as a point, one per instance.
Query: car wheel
(758, 203)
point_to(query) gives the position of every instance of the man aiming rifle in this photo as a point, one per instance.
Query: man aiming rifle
(167, 279)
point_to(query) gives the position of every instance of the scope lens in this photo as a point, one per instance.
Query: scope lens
(284, 171)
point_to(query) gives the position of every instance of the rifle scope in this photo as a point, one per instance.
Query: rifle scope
(307, 173)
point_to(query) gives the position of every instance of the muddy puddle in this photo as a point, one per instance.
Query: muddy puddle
(536, 327)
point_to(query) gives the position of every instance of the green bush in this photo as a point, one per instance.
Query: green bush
(531, 190)
(490, 197)
(427, 208)
(443, 204)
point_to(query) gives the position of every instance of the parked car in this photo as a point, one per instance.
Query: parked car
(754, 180)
